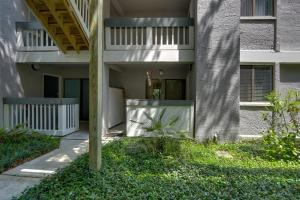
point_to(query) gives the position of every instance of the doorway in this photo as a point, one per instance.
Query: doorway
(78, 88)
(51, 86)
(167, 89)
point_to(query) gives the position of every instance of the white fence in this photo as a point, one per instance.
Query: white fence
(136, 109)
(52, 116)
(32, 37)
(81, 8)
(138, 34)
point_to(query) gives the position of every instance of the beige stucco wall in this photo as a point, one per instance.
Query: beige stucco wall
(32, 81)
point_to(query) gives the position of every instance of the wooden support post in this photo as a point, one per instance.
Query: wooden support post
(96, 80)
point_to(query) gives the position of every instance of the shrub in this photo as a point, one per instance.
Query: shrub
(283, 120)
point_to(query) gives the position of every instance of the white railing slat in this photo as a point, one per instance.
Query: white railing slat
(157, 37)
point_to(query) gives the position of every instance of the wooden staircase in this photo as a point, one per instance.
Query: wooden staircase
(60, 19)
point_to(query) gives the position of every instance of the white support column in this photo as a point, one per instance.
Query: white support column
(276, 77)
(105, 87)
(191, 42)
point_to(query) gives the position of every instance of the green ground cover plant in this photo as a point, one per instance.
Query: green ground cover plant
(19, 145)
(192, 171)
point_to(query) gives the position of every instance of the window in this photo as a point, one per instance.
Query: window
(257, 7)
(167, 89)
(256, 82)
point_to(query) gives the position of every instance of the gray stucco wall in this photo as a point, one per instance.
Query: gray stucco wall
(251, 122)
(217, 69)
(288, 16)
(10, 11)
(257, 34)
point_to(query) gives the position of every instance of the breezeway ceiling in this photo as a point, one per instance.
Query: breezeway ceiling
(152, 8)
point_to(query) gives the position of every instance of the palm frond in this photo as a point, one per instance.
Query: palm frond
(161, 115)
(149, 117)
(173, 121)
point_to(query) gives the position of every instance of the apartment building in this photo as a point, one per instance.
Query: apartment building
(208, 62)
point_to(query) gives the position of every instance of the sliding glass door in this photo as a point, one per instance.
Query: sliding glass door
(78, 88)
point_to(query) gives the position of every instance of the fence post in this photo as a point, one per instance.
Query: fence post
(6, 116)
(149, 37)
(62, 118)
(77, 116)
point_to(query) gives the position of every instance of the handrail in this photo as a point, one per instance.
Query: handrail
(37, 100)
(148, 22)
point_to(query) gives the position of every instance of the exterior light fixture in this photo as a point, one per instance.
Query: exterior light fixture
(161, 72)
(35, 67)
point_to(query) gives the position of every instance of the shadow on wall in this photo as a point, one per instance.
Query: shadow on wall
(11, 11)
(10, 83)
(217, 60)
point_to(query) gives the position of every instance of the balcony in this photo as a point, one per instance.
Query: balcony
(55, 116)
(35, 45)
(31, 36)
(149, 34)
(126, 40)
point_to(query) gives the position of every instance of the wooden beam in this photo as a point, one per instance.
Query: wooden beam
(96, 71)
(71, 13)
(44, 22)
(59, 19)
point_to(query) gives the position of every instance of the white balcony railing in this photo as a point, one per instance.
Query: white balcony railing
(46, 115)
(149, 33)
(81, 8)
(32, 37)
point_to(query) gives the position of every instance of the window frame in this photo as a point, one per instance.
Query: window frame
(253, 67)
(260, 16)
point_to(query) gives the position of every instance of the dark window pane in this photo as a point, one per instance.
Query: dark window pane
(264, 8)
(263, 83)
(246, 7)
(175, 89)
(246, 83)
(51, 86)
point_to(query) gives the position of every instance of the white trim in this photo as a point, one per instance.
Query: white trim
(53, 57)
(257, 18)
(251, 56)
(255, 104)
(142, 56)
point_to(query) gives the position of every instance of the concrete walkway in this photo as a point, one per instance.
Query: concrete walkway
(14, 181)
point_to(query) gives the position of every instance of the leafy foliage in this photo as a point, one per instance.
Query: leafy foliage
(161, 130)
(284, 126)
(19, 145)
(196, 174)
